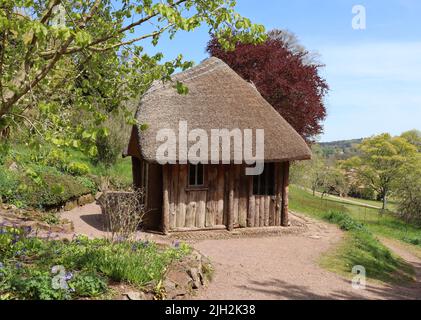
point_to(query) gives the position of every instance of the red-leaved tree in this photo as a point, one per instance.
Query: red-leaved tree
(284, 76)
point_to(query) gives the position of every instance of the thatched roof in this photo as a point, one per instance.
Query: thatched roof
(218, 98)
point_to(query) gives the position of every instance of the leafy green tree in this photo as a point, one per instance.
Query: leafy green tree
(381, 161)
(409, 191)
(65, 65)
(413, 137)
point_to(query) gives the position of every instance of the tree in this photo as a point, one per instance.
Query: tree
(63, 61)
(381, 162)
(409, 191)
(311, 173)
(413, 137)
(282, 73)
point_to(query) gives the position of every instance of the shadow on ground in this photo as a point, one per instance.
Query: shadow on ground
(94, 220)
(279, 289)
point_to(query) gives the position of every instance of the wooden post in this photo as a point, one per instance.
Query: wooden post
(284, 214)
(230, 220)
(252, 205)
(165, 200)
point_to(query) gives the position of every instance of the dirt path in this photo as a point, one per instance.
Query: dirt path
(286, 268)
(399, 249)
(277, 267)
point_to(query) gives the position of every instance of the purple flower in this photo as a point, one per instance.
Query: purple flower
(176, 244)
(3, 231)
(68, 276)
(1, 265)
(18, 265)
(27, 229)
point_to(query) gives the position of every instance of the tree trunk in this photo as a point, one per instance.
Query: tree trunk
(384, 202)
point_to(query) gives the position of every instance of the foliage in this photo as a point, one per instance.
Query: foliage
(283, 76)
(380, 163)
(77, 168)
(340, 150)
(344, 221)
(42, 187)
(29, 264)
(409, 191)
(67, 65)
(413, 137)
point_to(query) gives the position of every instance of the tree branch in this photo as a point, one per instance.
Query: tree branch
(7, 105)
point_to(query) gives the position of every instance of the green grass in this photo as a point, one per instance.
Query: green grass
(386, 225)
(120, 173)
(360, 246)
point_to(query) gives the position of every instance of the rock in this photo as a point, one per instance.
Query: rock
(13, 167)
(86, 199)
(133, 295)
(169, 285)
(194, 274)
(70, 205)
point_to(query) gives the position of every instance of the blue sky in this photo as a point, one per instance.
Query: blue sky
(374, 74)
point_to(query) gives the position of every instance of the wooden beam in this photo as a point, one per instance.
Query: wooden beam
(165, 200)
(230, 218)
(252, 204)
(284, 213)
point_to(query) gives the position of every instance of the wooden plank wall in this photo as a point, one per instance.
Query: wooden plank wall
(226, 200)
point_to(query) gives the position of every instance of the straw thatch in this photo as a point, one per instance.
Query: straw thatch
(218, 98)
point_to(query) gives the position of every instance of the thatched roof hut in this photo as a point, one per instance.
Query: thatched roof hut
(218, 98)
(212, 196)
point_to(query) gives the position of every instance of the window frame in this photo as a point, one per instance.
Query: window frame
(196, 175)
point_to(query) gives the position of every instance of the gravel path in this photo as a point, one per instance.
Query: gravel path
(286, 268)
(276, 267)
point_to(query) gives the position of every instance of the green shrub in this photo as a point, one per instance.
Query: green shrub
(413, 240)
(77, 168)
(344, 221)
(56, 158)
(88, 284)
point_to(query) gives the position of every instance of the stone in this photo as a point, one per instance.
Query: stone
(13, 167)
(86, 199)
(194, 274)
(169, 285)
(134, 295)
(70, 205)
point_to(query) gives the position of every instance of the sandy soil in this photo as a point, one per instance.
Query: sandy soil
(281, 267)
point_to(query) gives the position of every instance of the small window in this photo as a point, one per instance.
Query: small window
(264, 184)
(196, 176)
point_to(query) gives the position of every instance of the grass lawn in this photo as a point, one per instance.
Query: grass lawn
(386, 225)
(360, 246)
